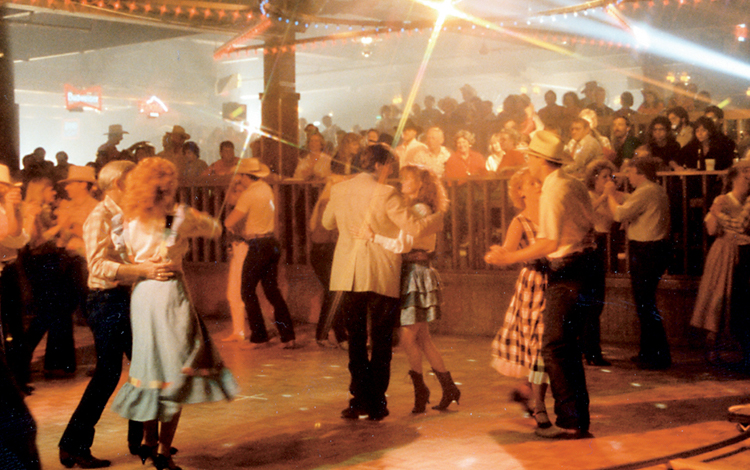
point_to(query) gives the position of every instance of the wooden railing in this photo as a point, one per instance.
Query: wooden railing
(479, 216)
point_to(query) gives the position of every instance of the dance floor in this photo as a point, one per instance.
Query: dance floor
(287, 415)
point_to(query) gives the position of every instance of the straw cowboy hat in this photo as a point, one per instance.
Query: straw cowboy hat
(253, 166)
(116, 129)
(5, 176)
(80, 173)
(179, 130)
(547, 145)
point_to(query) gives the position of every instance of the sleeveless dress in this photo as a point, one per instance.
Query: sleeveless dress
(174, 361)
(714, 300)
(517, 347)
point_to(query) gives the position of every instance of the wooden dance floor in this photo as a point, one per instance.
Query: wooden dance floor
(287, 415)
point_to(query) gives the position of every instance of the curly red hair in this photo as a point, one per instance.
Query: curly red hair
(150, 189)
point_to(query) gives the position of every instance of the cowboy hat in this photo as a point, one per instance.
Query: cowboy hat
(253, 166)
(80, 173)
(179, 130)
(547, 145)
(116, 129)
(5, 176)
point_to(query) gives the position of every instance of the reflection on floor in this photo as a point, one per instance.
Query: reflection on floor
(287, 415)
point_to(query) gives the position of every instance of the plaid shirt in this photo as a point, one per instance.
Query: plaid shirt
(103, 259)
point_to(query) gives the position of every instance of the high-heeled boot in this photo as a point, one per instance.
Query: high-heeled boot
(421, 392)
(450, 391)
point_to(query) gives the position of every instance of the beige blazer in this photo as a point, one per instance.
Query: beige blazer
(362, 265)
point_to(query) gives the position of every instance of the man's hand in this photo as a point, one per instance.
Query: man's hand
(157, 270)
(364, 232)
(610, 188)
(13, 197)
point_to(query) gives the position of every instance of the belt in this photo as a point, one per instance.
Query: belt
(256, 236)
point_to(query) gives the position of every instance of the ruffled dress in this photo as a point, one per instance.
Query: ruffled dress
(517, 347)
(714, 300)
(420, 282)
(174, 361)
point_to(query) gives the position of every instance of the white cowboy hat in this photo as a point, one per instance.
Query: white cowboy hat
(253, 166)
(547, 145)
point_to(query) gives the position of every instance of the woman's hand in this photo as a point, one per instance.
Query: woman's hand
(364, 232)
(497, 256)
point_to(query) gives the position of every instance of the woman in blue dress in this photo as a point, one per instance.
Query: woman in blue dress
(174, 360)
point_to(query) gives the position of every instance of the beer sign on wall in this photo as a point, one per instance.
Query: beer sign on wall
(77, 100)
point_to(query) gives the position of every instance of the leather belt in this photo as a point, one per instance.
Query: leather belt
(256, 236)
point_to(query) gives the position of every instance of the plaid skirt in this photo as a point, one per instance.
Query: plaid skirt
(517, 347)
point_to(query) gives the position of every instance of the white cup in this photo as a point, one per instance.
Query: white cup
(710, 164)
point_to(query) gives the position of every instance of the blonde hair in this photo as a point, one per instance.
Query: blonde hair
(514, 187)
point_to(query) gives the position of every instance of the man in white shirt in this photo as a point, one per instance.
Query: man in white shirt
(409, 146)
(583, 147)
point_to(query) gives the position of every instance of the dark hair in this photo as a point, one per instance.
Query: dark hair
(226, 143)
(376, 154)
(595, 168)
(193, 147)
(708, 124)
(626, 98)
(572, 94)
(553, 94)
(646, 166)
(717, 111)
(624, 118)
(664, 121)
(680, 112)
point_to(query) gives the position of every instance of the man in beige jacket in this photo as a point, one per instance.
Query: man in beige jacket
(367, 276)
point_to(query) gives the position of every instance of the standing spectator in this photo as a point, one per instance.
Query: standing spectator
(367, 276)
(329, 133)
(571, 109)
(61, 169)
(646, 211)
(316, 164)
(599, 104)
(431, 116)
(565, 238)
(173, 151)
(725, 145)
(227, 162)
(623, 142)
(346, 161)
(194, 166)
(626, 105)
(706, 145)
(436, 155)
(661, 142)
(108, 151)
(552, 115)
(409, 146)
(257, 207)
(681, 127)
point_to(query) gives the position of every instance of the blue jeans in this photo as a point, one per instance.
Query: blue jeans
(570, 298)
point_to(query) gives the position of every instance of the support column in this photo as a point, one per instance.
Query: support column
(279, 113)
(9, 141)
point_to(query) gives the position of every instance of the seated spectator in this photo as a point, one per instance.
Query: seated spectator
(583, 147)
(464, 161)
(651, 103)
(316, 164)
(683, 131)
(194, 166)
(623, 142)
(660, 141)
(504, 156)
(226, 163)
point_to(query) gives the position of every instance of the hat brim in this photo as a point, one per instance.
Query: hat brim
(262, 173)
(564, 157)
(67, 180)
